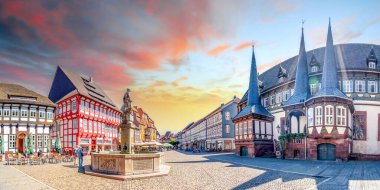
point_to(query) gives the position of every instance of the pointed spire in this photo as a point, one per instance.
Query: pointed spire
(253, 91)
(329, 75)
(301, 89)
(329, 86)
(254, 106)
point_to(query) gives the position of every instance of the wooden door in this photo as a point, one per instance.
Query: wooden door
(326, 151)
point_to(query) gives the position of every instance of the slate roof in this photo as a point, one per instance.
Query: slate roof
(352, 56)
(254, 106)
(301, 89)
(9, 90)
(87, 87)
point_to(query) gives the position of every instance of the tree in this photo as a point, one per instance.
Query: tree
(174, 142)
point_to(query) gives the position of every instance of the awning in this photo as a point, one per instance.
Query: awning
(148, 144)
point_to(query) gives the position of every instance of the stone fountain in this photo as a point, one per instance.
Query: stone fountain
(126, 164)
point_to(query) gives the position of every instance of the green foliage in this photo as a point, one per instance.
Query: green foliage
(174, 142)
(288, 137)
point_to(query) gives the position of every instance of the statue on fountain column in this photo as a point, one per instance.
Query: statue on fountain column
(126, 128)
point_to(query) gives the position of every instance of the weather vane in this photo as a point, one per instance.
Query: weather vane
(303, 22)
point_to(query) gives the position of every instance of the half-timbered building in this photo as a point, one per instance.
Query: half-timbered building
(24, 114)
(85, 115)
(324, 102)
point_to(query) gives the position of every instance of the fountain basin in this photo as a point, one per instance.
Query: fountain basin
(127, 164)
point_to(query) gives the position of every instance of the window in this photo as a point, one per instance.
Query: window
(14, 112)
(228, 116)
(39, 141)
(68, 107)
(372, 86)
(87, 106)
(46, 140)
(33, 113)
(6, 112)
(228, 129)
(90, 126)
(291, 92)
(49, 115)
(74, 105)
(285, 95)
(85, 125)
(75, 123)
(42, 114)
(82, 105)
(347, 86)
(313, 88)
(318, 115)
(272, 100)
(278, 98)
(250, 127)
(12, 141)
(340, 116)
(310, 117)
(33, 141)
(266, 102)
(329, 115)
(1, 113)
(360, 86)
(24, 113)
(372, 65)
(314, 69)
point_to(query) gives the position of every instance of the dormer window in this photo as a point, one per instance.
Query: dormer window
(372, 65)
(372, 59)
(314, 69)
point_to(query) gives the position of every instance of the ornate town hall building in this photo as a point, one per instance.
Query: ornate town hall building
(324, 104)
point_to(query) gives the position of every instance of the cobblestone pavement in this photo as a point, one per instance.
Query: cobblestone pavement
(222, 171)
(12, 179)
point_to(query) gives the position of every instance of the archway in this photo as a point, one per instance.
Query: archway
(326, 151)
(21, 138)
(243, 151)
(296, 122)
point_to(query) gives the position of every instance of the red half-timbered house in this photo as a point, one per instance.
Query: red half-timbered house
(85, 115)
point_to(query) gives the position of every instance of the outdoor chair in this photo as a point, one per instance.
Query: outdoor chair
(10, 159)
(59, 158)
(35, 160)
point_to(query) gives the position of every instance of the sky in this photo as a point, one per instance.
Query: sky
(181, 59)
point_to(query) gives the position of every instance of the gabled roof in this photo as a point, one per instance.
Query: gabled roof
(351, 56)
(84, 85)
(14, 93)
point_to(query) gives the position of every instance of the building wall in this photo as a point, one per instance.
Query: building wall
(372, 144)
(278, 114)
(228, 113)
(35, 124)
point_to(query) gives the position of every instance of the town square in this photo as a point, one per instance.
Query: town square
(180, 94)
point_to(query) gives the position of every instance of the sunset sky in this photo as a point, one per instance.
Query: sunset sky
(181, 59)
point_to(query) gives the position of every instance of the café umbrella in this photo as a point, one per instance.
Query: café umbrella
(58, 146)
(30, 146)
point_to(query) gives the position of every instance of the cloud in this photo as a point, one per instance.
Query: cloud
(243, 45)
(218, 49)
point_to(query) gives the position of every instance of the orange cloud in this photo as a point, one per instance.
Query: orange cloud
(243, 45)
(215, 51)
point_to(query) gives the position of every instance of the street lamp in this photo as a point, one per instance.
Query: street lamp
(286, 129)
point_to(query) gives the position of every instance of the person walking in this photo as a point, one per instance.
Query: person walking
(80, 160)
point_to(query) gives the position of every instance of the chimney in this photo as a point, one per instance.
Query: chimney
(91, 80)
